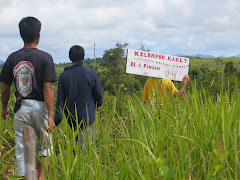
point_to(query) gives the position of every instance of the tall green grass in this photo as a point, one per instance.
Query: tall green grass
(7, 142)
(196, 137)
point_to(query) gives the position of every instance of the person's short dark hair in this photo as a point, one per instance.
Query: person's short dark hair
(76, 53)
(29, 28)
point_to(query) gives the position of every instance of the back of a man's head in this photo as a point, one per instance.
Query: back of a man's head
(76, 53)
(29, 28)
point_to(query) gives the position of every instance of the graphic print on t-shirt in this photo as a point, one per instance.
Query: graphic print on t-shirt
(23, 72)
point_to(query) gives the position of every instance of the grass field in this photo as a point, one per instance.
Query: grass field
(217, 63)
(193, 138)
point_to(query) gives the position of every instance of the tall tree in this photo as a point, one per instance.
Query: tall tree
(114, 61)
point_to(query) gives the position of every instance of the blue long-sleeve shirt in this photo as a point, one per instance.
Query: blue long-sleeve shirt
(79, 91)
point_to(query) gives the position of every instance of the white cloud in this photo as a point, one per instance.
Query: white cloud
(149, 43)
(167, 26)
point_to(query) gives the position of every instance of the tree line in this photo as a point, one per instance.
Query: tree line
(111, 70)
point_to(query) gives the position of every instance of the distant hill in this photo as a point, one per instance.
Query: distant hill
(205, 56)
(181, 55)
(237, 56)
(1, 62)
(197, 55)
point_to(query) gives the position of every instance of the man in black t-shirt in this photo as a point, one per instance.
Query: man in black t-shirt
(33, 73)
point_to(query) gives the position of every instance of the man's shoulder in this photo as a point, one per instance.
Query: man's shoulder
(70, 71)
(83, 69)
(14, 53)
(62, 74)
(43, 52)
(30, 50)
(153, 79)
(168, 83)
(167, 80)
(90, 70)
(150, 79)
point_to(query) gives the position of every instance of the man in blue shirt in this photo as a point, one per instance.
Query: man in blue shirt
(79, 92)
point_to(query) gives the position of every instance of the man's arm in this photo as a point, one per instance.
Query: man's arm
(186, 80)
(97, 92)
(5, 98)
(48, 92)
(60, 102)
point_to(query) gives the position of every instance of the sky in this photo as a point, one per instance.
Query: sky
(170, 27)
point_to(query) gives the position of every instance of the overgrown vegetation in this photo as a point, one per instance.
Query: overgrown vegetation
(196, 137)
(211, 74)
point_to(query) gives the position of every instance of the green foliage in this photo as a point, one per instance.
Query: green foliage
(7, 141)
(195, 137)
(113, 69)
(229, 69)
(212, 74)
(213, 79)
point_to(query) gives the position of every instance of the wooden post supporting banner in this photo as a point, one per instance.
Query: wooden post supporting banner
(29, 152)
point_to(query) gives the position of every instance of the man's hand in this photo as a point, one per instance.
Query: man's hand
(186, 79)
(48, 92)
(5, 112)
(98, 109)
(5, 98)
(51, 124)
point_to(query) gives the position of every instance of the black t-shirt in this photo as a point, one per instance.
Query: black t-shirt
(29, 68)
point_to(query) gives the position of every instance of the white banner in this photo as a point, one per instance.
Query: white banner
(156, 65)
